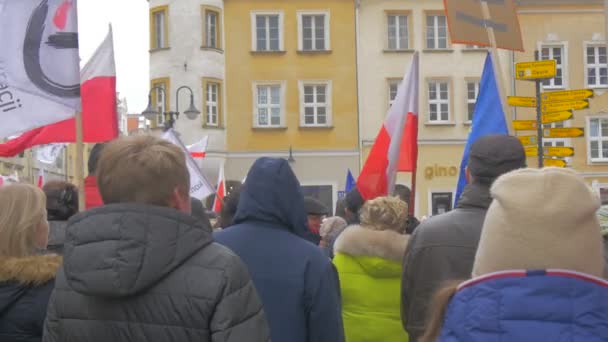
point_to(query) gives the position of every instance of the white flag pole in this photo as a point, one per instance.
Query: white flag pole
(79, 169)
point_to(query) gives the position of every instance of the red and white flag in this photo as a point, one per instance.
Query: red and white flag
(396, 146)
(220, 193)
(39, 64)
(99, 117)
(199, 149)
(41, 180)
(1, 180)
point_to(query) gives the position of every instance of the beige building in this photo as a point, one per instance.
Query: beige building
(573, 33)
(389, 32)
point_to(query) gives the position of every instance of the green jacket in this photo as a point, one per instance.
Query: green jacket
(369, 265)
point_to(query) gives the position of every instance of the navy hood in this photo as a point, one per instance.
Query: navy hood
(272, 194)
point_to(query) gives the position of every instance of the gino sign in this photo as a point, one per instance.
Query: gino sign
(438, 171)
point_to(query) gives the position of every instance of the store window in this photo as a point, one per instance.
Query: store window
(441, 202)
(322, 193)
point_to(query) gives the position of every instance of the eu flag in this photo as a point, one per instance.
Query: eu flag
(350, 182)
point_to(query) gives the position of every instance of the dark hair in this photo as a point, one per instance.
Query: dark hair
(198, 211)
(403, 192)
(94, 157)
(353, 202)
(229, 207)
(61, 200)
(340, 208)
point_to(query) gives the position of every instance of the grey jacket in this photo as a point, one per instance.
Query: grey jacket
(144, 273)
(441, 249)
(56, 236)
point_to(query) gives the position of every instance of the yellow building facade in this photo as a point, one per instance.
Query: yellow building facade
(573, 33)
(291, 89)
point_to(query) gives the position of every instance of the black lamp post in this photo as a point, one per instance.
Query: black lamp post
(171, 116)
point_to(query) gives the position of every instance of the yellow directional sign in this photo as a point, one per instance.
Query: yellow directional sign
(521, 101)
(557, 116)
(527, 139)
(555, 162)
(524, 125)
(551, 151)
(569, 95)
(535, 70)
(563, 132)
(551, 107)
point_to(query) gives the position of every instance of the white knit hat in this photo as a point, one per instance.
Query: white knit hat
(541, 219)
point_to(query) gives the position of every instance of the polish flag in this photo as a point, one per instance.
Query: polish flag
(41, 178)
(199, 149)
(220, 192)
(99, 117)
(396, 146)
(1, 180)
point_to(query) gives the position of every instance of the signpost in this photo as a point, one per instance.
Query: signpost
(563, 132)
(569, 95)
(527, 139)
(552, 107)
(524, 125)
(557, 117)
(536, 70)
(521, 101)
(561, 152)
(555, 162)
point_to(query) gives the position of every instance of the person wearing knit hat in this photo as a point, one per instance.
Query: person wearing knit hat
(368, 260)
(443, 247)
(537, 271)
(330, 230)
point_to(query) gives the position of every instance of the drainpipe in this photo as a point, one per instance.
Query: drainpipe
(357, 35)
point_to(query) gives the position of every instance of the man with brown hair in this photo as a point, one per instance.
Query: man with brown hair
(141, 268)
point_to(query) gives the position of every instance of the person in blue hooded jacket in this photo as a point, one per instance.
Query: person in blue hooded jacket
(537, 271)
(297, 283)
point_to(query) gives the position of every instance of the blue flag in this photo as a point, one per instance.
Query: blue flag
(488, 118)
(350, 182)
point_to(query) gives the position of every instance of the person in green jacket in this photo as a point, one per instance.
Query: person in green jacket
(368, 259)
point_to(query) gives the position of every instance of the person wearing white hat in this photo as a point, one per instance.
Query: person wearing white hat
(537, 271)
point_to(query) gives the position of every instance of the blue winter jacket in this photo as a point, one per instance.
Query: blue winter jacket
(529, 307)
(296, 281)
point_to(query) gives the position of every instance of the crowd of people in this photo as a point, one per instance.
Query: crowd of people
(520, 258)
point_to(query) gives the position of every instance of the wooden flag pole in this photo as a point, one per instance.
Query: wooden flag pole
(79, 168)
(497, 68)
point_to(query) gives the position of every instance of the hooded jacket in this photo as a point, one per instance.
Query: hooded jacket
(521, 306)
(441, 249)
(369, 266)
(296, 281)
(25, 287)
(144, 273)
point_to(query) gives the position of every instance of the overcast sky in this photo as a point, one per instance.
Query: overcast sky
(129, 19)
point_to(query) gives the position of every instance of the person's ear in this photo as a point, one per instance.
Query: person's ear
(180, 202)
(467, 175)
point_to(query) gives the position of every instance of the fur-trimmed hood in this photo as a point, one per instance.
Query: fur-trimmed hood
(360, 241)
(31, 270)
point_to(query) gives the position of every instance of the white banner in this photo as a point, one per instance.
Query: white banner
(199, 185)
(39, 63)
(48, 154)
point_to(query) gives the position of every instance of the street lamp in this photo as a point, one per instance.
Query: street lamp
(150, 113)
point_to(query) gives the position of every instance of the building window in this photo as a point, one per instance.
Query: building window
(159, 28)
(267, 31)
(212, 27)
(160, 99)
(598, 139)
(268, 105)
(398, 38)
(595, 66)
(313, 31)
(472, 93)
(439, 102)
(441, 202)
(436, 32)
(555, 52)
(212, 102)
(315, 103)
(393, 88)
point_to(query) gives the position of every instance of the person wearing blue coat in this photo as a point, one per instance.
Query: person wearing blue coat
(297, 283)
(538, 268)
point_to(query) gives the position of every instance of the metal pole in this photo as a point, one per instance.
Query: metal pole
(539, 118)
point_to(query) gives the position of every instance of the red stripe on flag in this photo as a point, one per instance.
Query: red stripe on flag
(372, 181)
(198, 154)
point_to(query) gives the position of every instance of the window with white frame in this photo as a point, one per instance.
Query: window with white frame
(315, 103)
(596, 69)
(211, 29)
(159, 22)
(598, 139)
(557, 53)
(212, 103)
(268, 105)
(313, 31)
(439, 101)
(267, 31)
(436, 32)
(160, 101)
(393, 88)
(398, 38)
(472, 93)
